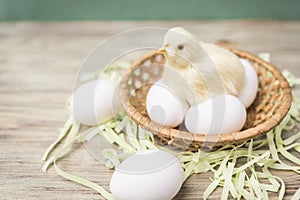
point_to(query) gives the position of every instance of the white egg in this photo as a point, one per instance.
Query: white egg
(148, 175)
(94, 102)
(250, 87)
(221, 114)
(164, 107)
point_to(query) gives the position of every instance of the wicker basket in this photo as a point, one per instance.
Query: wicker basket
(272, 103)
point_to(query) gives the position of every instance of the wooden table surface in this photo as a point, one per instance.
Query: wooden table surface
(38, 65)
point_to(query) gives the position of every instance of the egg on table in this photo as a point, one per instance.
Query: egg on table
(250, 87)
(94, 102)
(147, 175)
(164, 106)
(221, 114)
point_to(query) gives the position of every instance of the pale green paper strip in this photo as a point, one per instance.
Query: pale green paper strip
(210, 189)
(296, 196)
(64, 131)
(272, 147)
(78, 179)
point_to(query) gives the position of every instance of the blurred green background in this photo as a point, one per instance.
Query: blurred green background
(148, 10)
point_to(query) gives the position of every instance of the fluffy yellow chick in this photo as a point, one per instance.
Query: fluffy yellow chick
(197, 71)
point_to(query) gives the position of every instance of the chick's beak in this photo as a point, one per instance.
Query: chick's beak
(163, 49)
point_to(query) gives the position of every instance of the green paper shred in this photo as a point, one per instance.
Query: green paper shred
(296, 195)
(243, 171)
(62, 134)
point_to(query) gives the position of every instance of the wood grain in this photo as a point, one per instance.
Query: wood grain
(38, 65)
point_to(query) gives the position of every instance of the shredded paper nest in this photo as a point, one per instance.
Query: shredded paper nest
(250, 178)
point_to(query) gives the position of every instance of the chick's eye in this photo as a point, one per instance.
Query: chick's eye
(180, 47)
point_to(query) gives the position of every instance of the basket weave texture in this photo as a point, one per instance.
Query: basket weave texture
(272, 103)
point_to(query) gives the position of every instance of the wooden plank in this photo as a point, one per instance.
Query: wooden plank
(38, 66)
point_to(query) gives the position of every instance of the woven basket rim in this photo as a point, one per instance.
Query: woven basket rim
(226, 138)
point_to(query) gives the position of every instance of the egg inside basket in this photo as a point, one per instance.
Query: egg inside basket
(272, 103)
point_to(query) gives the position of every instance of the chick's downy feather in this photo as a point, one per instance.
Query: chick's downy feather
(197, 71)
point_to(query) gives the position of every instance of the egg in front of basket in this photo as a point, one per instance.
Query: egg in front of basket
(147, 175)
